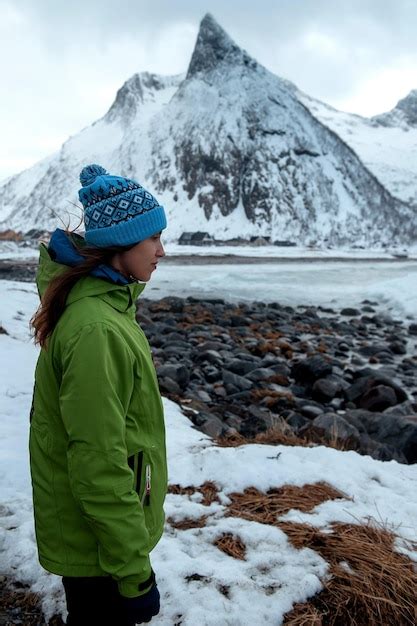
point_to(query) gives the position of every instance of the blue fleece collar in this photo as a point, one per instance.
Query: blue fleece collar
(62, 250)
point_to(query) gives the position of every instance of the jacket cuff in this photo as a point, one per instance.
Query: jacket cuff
(132, 587)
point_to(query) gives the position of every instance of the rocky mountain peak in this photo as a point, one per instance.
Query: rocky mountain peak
(137, 90)
(403, 115)
(408, 106)
(213, 47)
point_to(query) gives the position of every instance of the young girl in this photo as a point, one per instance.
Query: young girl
(97, 433)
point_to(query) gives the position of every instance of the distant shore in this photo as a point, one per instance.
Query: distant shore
(23, 269)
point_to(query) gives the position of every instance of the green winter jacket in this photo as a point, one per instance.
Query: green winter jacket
(97, 437)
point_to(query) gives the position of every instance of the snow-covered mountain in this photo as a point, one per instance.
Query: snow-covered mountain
(387, 143)
(229, 148)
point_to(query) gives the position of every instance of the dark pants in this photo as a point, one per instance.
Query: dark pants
(94, 601)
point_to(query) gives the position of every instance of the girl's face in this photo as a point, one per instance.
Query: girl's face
(140, 261)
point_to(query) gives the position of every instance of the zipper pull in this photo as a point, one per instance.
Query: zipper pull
(147, 485)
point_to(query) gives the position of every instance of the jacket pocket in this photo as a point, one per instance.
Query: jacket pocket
(135, 463)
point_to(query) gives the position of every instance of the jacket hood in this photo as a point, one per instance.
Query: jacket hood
(103, 281)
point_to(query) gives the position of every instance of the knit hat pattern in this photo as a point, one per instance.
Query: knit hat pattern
(117, 211)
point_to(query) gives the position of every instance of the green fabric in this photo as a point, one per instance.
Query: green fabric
(96, 403)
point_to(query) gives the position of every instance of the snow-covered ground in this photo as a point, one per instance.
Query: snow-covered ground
(383, 491)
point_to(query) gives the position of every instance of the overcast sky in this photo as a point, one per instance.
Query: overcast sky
(62, 62)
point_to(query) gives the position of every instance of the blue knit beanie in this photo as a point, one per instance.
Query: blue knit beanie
(117, 211)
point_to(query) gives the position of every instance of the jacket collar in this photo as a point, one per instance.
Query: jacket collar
(62, 249)
(104, 281)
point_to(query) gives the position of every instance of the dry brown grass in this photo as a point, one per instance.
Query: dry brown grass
(231, 545)
(371, 584)
(207, 489)
(276, 435)
(280, 379)
(282, 434)
(182, 491)
(209, 492)
(265, 508)
(313, 329)
(18, 605)
(188, 522)
(260, 394)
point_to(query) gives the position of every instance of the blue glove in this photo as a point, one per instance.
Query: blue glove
(142, 608)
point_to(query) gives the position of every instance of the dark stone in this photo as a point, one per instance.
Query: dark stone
(311, 369)
(174, 336)
(378, 398)
(212, 345)
(325, 389)
(397, 347)
(400, 410)
(299, 391)
(380, 451)
(178, 373)
(260, 373)
(397, 432)
(280, 368)
(409, 445)
(235, 421)
(209, 355)
(174, 304)
(212, 426)
(175, 350)
(239, 320)
(240, 396)
(203, 395)
(336, 403)
(219, 390)
(349, 311)
(311, 411)
(240, 366)
(263, 416)
(343, 346)
(296, 420)
(231, 379)
(373, 349)
(371, 378)
(412, 329)
(333, 427)
(169, 385)
(211, 373)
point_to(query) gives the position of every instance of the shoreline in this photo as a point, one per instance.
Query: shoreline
(12, 265)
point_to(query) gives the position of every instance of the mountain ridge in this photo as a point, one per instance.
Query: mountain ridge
(228, 148)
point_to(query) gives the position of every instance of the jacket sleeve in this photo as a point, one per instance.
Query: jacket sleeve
(96, 386)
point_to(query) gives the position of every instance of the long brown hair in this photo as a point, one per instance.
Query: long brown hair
(54, 299)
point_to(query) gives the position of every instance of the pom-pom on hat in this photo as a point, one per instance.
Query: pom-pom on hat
(117, 211)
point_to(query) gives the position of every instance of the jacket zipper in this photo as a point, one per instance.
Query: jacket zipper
(135, 464)
(146, 498)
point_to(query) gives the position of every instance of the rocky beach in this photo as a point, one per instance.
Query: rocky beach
(343, 377)
(302, 375)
